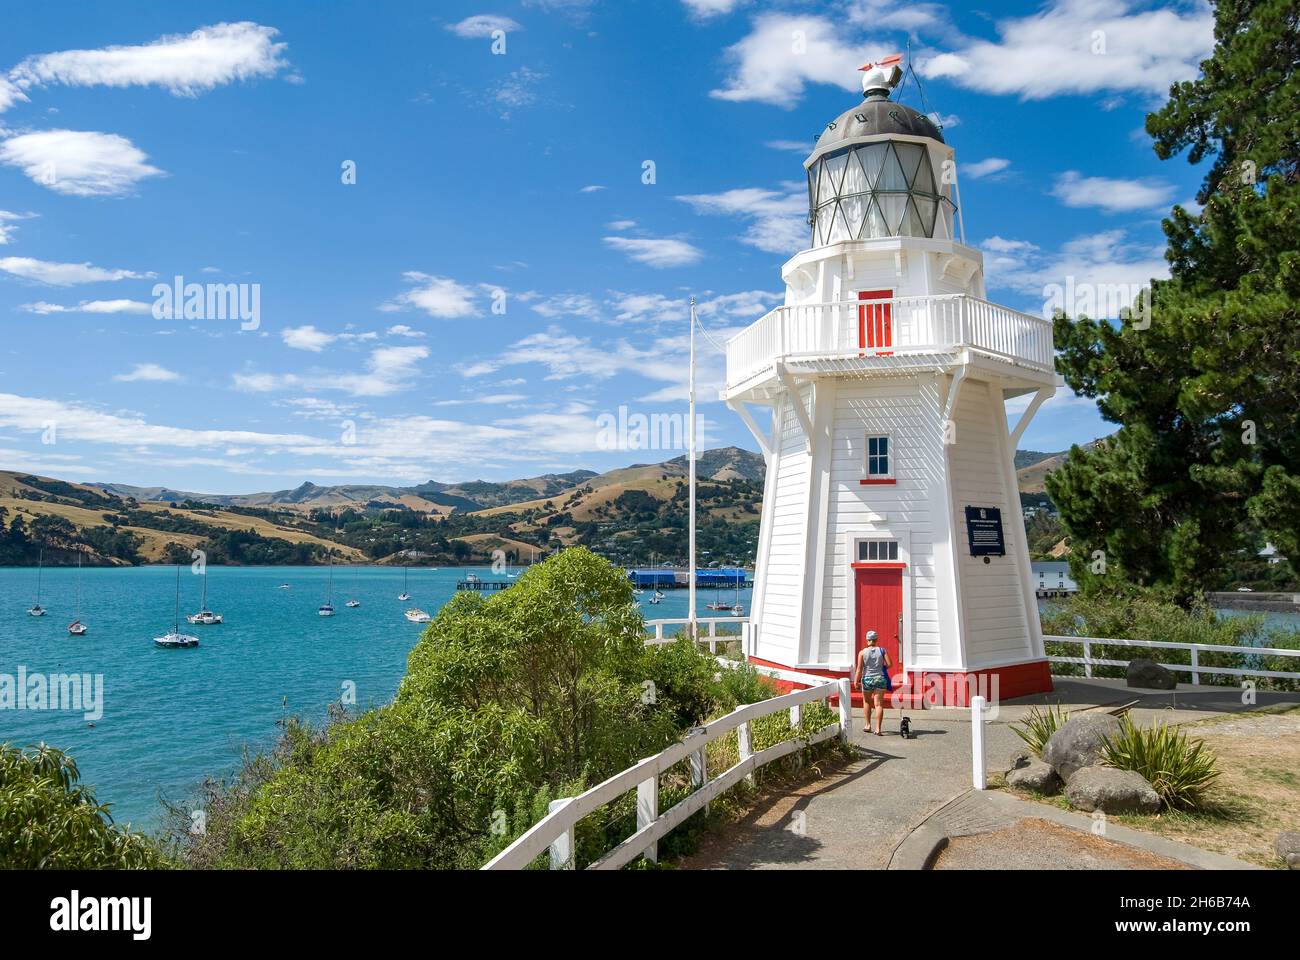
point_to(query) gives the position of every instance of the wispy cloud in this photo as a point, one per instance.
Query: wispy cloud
(440, 297)
(482, 26)
(90, 306)
(149, 373)
(64, 274)
(657, 252)
(778, 221)
(984, 168)
(1112, 196)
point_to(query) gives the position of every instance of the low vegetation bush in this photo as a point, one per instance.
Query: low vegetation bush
(50, 821)
(1150, 618)
(1180, 769)
(510, 701)
(1038, 726)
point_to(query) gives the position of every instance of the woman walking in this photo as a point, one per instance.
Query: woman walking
(872, 672)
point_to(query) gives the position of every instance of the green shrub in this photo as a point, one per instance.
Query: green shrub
(1037, 728)
(1179, 769)
(48, 820)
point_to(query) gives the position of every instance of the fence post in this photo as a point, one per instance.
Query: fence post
(1196, 672)
(699, 765)
(562, 848)
(744, 746)
(979, 766)
(846, 709)
(647, 812)
(1087, 659)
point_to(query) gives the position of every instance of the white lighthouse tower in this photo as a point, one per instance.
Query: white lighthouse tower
(878, 394)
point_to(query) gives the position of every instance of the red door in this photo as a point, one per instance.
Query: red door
(880, 608)
(875, 322)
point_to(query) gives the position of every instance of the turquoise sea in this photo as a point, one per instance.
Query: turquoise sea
(172, 717)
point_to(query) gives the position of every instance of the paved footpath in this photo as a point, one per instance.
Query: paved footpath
(860, 816)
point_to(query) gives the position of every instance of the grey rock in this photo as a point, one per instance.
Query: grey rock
(1021, 758)
(1287, 846)
(1151, 675)
(1036, 776)
(1111, 791)
(1077, 742)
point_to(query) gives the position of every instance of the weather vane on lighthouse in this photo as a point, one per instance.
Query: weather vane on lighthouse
(882, 76)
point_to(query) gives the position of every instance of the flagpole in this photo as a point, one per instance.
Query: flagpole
(691, 458)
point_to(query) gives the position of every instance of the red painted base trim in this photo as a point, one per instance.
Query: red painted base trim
(877, 483)
(933, 688)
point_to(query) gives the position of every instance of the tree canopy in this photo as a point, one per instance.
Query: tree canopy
(1206, 461)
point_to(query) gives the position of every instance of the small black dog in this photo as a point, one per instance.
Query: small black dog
(905, 728)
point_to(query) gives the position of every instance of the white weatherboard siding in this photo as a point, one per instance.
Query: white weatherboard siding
(994, 624)
(908, 411)
(786, 540)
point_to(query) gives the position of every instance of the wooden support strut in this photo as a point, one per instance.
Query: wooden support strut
(792, 388)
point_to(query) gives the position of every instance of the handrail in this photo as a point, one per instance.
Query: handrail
(1088, 661)
(921, 324)
(713, 637)
(555, 831)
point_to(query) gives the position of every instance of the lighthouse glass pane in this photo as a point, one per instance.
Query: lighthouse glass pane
(835, 174)
(912, 226)
(891, 174)
(839, 227)
(892, 206)
(923, 182)
(909, 155)
(926, 209)
(875, 222)
(871, 157)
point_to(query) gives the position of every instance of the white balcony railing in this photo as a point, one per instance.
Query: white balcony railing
(894, 327)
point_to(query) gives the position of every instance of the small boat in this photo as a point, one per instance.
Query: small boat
(205, 617)
(36, 610)
(405, 596)
(76, 627)
(284, 586)
(176, 640)
(721, 606)
(737, 611)
(326, 609)
(353, 604)
(416, 615)
(657, 598)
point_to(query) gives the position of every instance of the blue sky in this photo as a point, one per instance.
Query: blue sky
(499, 276)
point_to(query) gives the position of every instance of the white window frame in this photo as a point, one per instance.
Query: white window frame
(866, 455)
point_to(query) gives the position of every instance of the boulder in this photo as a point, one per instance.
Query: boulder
(1111, 791)
(1021, 758)
(1036, 776)
(1149, 674)
(1077, 742)
(1287, 846)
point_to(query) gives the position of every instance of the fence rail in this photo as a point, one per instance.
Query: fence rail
(893, 327)
(1088, 661)
(712, 638)
(555, 831)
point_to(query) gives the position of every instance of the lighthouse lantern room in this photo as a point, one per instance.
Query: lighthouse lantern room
(879, 396)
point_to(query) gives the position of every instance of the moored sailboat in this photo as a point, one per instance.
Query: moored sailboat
(176, 640)
(205, 617)
(326, 609)
(36, 610)
(76, 627)
(405, 596)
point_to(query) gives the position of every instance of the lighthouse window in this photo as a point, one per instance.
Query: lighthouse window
(883, 189)
(877, 551)
(878, 465)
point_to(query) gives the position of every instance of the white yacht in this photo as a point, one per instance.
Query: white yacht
(405, 596)
(416, 615)
(204, 617)
(326, 609)
(76, 627)
(36, 610)
(176, 640)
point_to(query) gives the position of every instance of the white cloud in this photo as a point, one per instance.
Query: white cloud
(657, 252)
(517, 90)
(388, 370)
(1080, 47)
(9, 95)
(1112, 196)
(183, 64)
(64, 274)
(482, 26)
(790, 146)
(783, 53)
(1099, 261)
(402, 330)
(778, 220)
(708, 9)
(622, 224)
(983, 168)
(593, 188)
(90, 306)
(306, 338)
(7, 217)
(78, 163)
(439, 297)
(149, 373)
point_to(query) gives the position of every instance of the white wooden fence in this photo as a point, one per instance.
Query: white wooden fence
(712, 637)
(555, 831)
(1196, 649)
